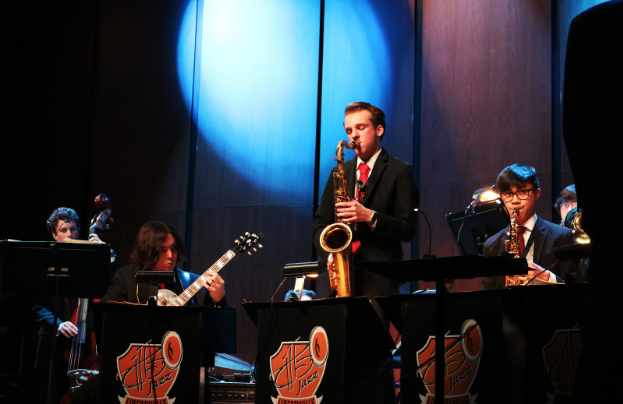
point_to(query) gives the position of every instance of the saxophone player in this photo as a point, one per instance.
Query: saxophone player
(383, 195)
(518, 187)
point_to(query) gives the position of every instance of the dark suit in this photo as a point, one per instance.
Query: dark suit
(392, 193)
(592, 128)
(123, 288)
(547, 236)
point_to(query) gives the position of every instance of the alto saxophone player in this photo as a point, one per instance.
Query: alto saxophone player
(382, 195)
(518, 187)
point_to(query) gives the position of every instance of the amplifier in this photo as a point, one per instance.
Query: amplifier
(228, 392)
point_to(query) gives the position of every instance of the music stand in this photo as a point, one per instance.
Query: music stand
(54, 269)
(472, 228)
(154, 279)
(38, 268)
(437, 270)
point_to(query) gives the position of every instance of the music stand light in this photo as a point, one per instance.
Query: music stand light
(302, 270)
(154, 278)
(484, 217)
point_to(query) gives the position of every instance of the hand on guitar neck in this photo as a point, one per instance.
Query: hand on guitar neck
(210, 279)
(215, 284)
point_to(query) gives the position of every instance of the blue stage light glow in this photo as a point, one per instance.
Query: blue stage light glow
(186, 52)
(358, 67)
(258, 88)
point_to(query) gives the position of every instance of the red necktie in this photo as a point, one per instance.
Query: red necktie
(364, 169)
(520, 240)
(363, 172)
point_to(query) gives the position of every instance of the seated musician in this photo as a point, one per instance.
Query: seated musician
(518, 187)
(566, 201)
(63, 225)
(158, 248)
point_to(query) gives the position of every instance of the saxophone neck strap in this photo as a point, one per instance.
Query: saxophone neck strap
(528, 244)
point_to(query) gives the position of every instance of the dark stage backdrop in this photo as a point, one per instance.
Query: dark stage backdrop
(221, 117)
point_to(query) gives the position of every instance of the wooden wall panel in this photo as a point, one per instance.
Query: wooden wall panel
(485, 88)
(45, 81)
(486, 101)
(287, 238)
(141, 125)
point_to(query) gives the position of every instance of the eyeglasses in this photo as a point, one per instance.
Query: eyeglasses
(507, 196)
(566, 205)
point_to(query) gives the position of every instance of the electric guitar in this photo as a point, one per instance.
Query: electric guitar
(245, 243)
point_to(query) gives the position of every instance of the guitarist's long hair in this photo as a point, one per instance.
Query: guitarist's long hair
(151, 236)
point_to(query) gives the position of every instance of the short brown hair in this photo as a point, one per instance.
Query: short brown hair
(151, 236)
(516, 175)
(567, 195)
(378, 116)
(62, 214)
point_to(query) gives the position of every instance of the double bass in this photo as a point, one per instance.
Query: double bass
(82, 356)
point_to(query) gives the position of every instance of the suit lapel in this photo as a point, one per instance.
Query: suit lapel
(351, 178)
(377, 172)
(539, 239)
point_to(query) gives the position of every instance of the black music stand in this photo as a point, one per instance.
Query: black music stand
(438, 270)
(51, 268)
(54, 269)
(357, 347)
(472, 229)
(127, 328)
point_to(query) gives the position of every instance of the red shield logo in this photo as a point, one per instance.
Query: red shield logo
(561, 356)
(297, 368)
(462, 361)
(148, 371)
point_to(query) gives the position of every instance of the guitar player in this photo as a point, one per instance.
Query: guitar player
(158, 247)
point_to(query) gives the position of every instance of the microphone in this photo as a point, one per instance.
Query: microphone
(430, 232)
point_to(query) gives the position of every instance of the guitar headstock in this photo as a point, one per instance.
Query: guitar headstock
(247, 243)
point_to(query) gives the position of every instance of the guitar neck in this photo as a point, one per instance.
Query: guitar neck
(192, 290)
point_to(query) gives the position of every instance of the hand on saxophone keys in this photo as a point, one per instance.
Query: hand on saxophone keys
(352, 212)
(536, 271)
(330, 263)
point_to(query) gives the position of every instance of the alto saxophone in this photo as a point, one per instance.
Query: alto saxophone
(512, 248)
(337, 237)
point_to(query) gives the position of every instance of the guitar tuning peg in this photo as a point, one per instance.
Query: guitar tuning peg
(246, 234)
(254, 249)
(249, 252)
(236, 241)
(260, 246)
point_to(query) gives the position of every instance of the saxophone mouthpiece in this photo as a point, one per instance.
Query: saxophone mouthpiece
(354, 145)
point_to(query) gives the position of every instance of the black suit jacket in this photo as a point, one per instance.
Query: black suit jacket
(123, 288)
(547, 236)
(393, 194)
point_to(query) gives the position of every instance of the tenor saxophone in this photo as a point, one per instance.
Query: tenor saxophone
(512, 248)
(337, 238)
